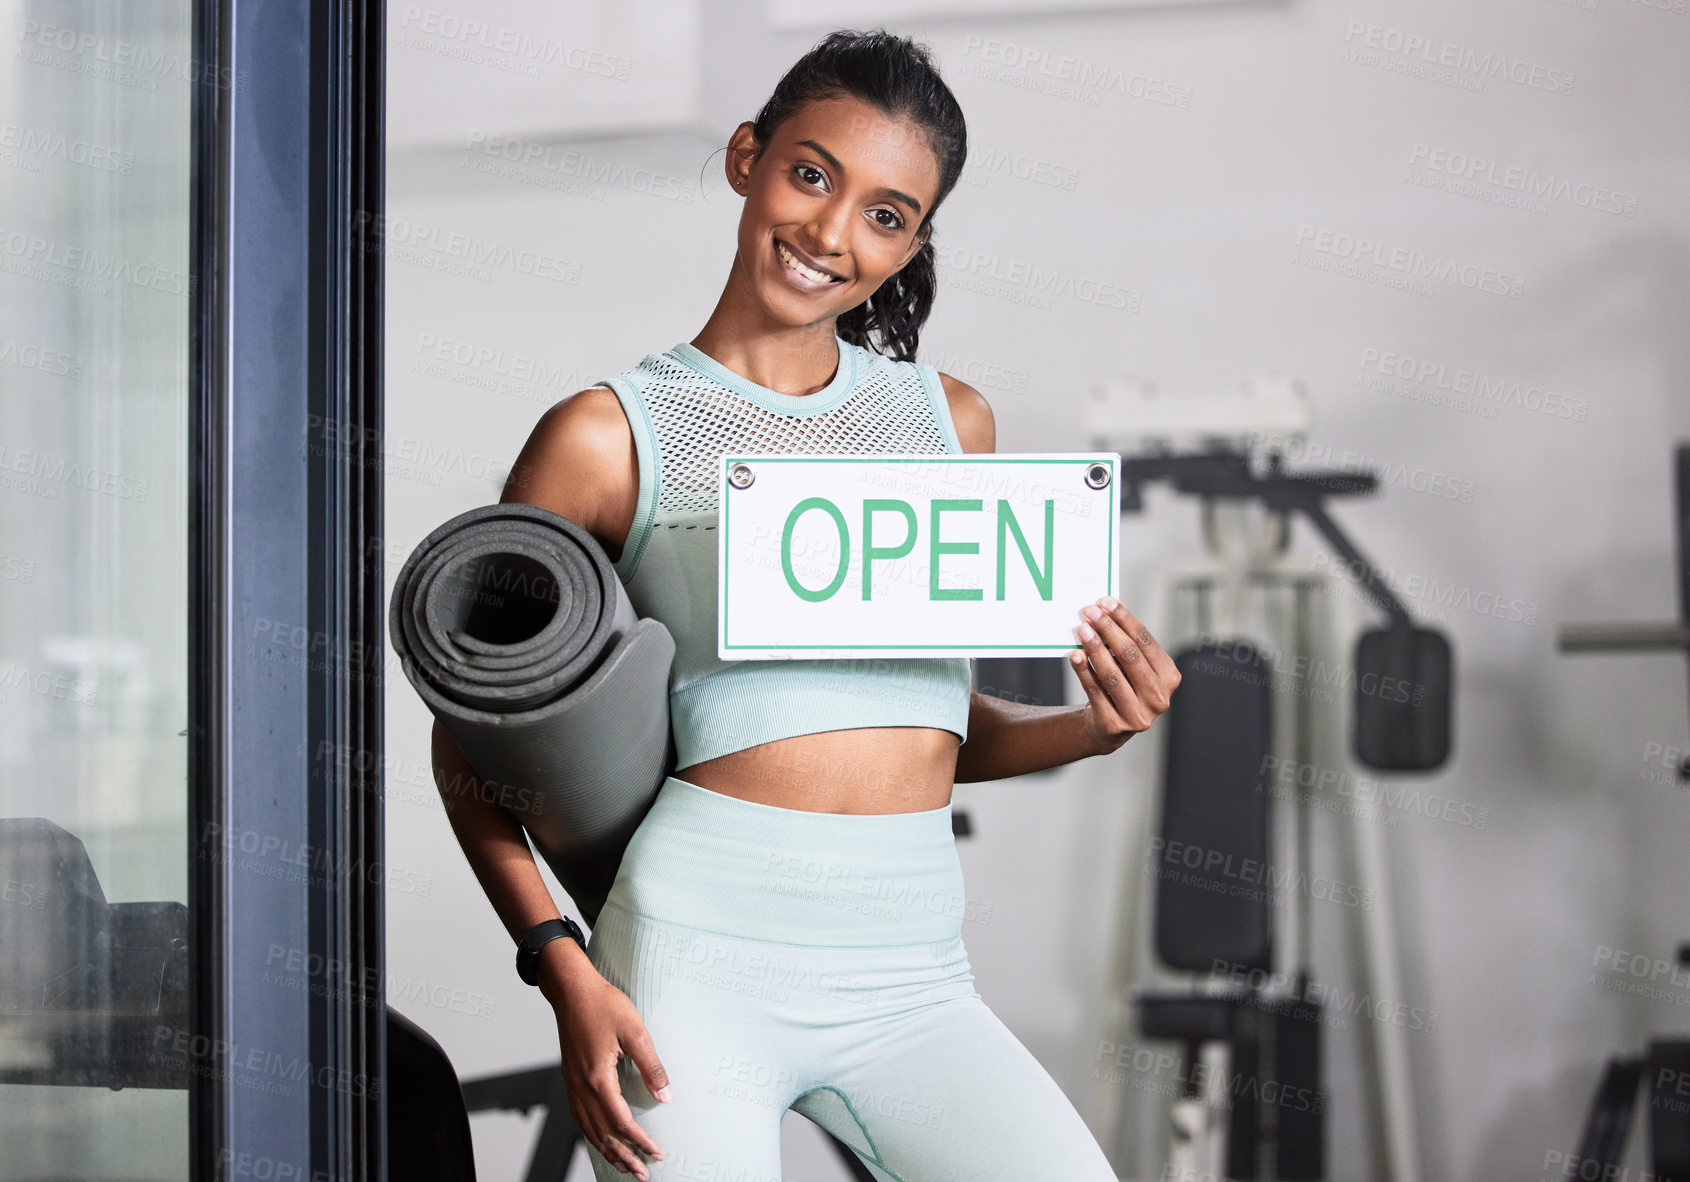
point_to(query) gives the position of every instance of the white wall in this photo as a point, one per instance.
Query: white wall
(515, 68)
(1213, 209)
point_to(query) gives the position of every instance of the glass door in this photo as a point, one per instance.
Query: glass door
(191, 984)
(95, 305)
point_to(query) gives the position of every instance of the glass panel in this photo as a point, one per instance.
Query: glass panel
(94, 387)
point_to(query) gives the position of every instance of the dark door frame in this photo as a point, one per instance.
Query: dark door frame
(286, 637)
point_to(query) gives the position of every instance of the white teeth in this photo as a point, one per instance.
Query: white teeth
(807, 272)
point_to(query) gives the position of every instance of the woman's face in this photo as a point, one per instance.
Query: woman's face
(831, 206)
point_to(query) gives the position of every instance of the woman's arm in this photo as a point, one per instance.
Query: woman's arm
(596, 1023)
(498, 853)
(1129, 681)
(1012, 738)
(580, 463)
(1127, 677)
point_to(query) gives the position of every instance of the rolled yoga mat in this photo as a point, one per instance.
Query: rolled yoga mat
(511, 624)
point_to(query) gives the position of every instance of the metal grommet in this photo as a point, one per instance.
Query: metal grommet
(739, 475)
(1097, 475)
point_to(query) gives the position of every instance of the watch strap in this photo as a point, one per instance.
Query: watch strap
(541, 934)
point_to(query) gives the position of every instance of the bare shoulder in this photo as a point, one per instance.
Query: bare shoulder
(580, 462)
(976, 427)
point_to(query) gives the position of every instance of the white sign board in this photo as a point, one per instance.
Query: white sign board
(831, 555)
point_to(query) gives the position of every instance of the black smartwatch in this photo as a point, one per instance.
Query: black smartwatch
(528, 949)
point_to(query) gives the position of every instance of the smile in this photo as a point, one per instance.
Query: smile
(809, 274)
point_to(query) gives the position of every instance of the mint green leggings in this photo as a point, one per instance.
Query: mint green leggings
(814, 961)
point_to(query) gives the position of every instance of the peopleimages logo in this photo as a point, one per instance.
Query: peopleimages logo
(508, 49)
(1334, 1003)
(1064, 75)
(130, 63)
(1042, 282)
(1382, 45)
(36, 256)
(1485, 389)
(1408, 261)
(51, 469)
(535, 161)
(1528, 182)
(1226, 873)
(54, 145)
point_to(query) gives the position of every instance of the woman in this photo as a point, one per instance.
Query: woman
(785, 927)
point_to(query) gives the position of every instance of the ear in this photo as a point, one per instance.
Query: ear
(919, 241)
(741, 155)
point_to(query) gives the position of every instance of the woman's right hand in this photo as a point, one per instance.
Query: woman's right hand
(597, 1025)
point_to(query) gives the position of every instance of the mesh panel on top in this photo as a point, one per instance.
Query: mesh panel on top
(696, 419)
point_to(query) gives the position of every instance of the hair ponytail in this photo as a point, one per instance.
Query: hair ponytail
(896, 76)
(897, 310)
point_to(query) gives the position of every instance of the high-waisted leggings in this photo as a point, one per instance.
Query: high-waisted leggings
(814, 961)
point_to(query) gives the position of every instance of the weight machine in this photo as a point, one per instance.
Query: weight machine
(1257, 633)
(1662, 1070)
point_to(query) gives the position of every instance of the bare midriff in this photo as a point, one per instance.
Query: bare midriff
(881, 769)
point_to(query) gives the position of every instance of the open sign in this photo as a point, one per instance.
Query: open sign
(911, 555)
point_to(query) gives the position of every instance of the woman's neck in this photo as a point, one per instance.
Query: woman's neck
(789, 360)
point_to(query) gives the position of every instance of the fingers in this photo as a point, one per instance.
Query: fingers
(1147, 644)
(1107, 716)
(1131, 670)
(604, 1118)
(1113, 682)
(1135, 651)
(619, 1123)
(602, 1125)
(622, 1117)
(638, 1045)
(593, 1047)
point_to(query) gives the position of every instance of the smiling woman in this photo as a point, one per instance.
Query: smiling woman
(835, 187)
(790, 912)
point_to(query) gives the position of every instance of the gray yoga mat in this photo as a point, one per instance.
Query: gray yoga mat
(511, 624)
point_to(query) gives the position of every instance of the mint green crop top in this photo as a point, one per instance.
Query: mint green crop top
(686, 409)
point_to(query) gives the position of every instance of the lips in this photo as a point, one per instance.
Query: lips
(782, 251)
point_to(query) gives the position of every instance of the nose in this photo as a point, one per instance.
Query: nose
(826, 233)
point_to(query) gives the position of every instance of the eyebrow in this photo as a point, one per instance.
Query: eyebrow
(838, 167)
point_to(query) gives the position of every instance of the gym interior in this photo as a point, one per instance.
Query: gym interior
(1380, 307)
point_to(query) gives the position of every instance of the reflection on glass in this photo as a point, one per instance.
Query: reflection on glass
(94, 302)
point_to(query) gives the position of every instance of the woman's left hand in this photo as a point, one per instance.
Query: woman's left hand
(1128, 677)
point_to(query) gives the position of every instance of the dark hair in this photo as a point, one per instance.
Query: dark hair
(897, 77)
